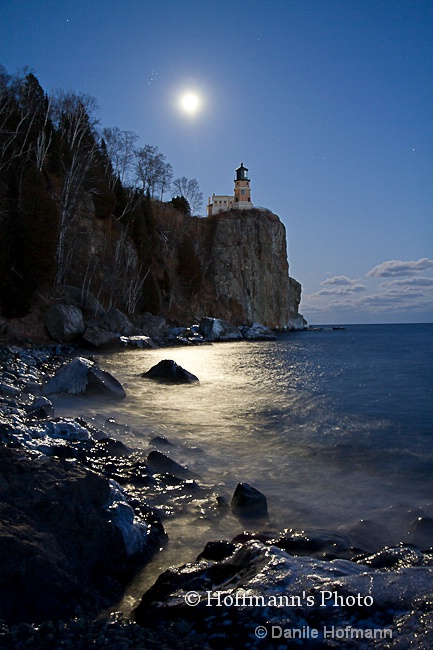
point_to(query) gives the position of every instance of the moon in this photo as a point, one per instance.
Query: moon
(190, 103)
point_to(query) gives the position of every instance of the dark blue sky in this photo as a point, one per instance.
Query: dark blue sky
(329, 104)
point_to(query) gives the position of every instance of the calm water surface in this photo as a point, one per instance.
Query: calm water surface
(333, 427)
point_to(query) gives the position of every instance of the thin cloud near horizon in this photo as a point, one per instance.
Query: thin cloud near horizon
(340, 293)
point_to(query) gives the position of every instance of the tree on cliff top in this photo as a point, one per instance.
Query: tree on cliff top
(190, 190)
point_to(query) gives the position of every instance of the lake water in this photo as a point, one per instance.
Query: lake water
(335, 427)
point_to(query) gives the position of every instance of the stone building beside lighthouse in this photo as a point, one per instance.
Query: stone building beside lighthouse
(240, 200)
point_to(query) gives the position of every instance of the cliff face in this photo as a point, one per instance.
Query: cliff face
(236, 269)
(250, 271)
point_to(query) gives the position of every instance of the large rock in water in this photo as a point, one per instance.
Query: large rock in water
(249, 502)
(64, 323)
(215, 329)
(84, 377)
(162, 464)
(168, 371)
(68, 538)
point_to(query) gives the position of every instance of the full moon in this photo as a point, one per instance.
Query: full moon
(190, 103)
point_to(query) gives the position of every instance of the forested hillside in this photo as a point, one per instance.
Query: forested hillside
(58, 170)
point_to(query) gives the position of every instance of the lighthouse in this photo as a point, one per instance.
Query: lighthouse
(240, 200)
(242, 188)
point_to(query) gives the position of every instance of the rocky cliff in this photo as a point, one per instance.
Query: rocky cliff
(231, 266)
(250, 271)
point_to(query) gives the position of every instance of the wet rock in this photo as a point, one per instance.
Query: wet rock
(140, 342)
(69, 536)
(316, 543)
(64, 322)
(264, 586)
(217, 551)
(214, 329)
(161, 441)
(249, 502)
(40, 409)
(421, 532)
(111, 447)
(168, 371)
(162, 464)
(396, 558)
(258, 332)
(9, 391)
(84, 377)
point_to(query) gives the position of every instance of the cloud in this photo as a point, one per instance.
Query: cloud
(345, 297)
(341, 291)
(388, 301)
(340, 285)
(408, 283)
(341, 280)
(393, 268)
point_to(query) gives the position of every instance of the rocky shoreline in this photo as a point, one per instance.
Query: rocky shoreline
(76, 524)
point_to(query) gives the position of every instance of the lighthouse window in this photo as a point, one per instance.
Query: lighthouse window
(242, 191)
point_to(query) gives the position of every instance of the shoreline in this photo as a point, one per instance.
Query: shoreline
(31, 366)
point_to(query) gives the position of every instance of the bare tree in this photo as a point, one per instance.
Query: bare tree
(165, 177)
(190, 190)
(73, 115)
(121, 151)
(152, 171)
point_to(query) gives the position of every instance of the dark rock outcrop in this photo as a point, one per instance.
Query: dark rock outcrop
(64, 323)
(102, 339)
(116, 321)
(168, 371)
(151, 325)
(260, 589)
(249, 502)
(161, 463)
(84, 377)
(68, 538)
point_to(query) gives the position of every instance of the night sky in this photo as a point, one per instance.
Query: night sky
(328, 103)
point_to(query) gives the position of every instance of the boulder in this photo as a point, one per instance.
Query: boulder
(151, 325)
(249, 502)
(162, 464)
(142, 342)
(64, 323)
(421, 532)
(258, 332)
(100, 338)
(214, 329)
(169, 372)
(84, 377)
(85, 300)
(116, 321)
(40, 409)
